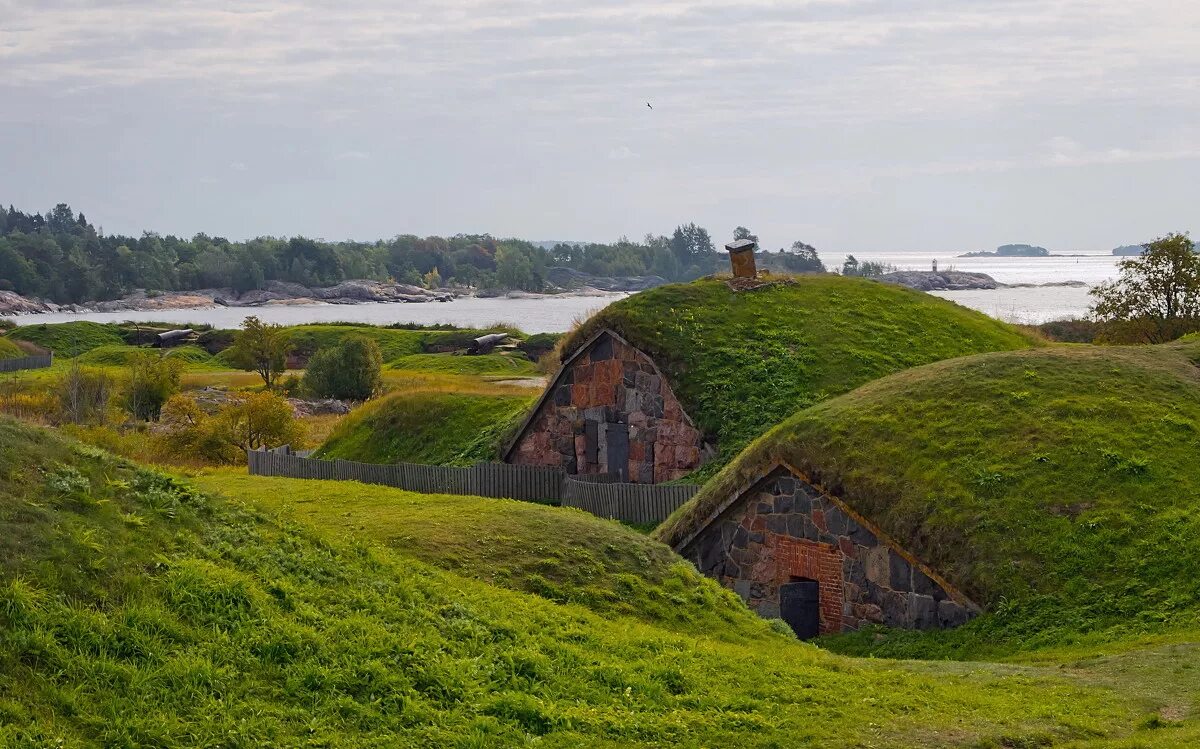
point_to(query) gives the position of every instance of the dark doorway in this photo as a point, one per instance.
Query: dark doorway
(800, 607)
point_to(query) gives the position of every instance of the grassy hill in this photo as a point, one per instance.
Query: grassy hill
(741, 362)
(483, 365)
(10, 350)
(423, 426)
(135, 611)
(563, 555)
(121, 355)
(1059, 487)
(69, 339)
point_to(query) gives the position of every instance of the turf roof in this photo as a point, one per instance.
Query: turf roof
(1061, 482)
(741, 362)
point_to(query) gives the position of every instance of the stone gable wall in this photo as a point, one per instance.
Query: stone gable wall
(612, 412)
(784, 528)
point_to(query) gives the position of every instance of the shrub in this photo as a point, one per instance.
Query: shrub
(258, 420)
(83, 394)
(351, 370)
(247, 422)
(152, 381)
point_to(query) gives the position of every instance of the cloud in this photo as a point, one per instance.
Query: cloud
(825, 59)
(621, 153)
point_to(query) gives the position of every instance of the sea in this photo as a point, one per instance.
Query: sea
(1032, 303)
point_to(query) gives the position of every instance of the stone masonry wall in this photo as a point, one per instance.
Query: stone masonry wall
(612, 412)
(783, 529)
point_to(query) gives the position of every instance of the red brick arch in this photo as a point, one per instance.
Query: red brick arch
(821, 562)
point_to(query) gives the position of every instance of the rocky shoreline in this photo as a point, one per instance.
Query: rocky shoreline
(361, 291)
(274, 293)
(953, 280)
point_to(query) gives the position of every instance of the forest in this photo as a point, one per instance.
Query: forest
(62, 257)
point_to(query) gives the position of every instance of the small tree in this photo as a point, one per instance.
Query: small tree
(1157, 296)
(152, 381)
(261, 347)
(350, 370)
(257, 420)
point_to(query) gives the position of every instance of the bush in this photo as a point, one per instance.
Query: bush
(246, 422)
(351, 370)
(84, 394)
(6, 324)
(152, 381)
(1070, 331)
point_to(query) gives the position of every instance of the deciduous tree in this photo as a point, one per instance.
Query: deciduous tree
(261, 347)
(1157, 296)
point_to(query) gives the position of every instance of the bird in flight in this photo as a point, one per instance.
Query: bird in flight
(648, 104)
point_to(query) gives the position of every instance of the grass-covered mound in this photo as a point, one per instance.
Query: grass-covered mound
(741, 362)
(120, 355)
(564, 555)
(135, 611)
(416, 426)
(1058, 487)
(10, 350)
(498, 365)
(69, 338)
(394, 343)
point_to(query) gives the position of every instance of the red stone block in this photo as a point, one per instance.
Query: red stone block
(818, 518)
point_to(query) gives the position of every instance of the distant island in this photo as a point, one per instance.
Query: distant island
(1012, 250)
(1129, 250)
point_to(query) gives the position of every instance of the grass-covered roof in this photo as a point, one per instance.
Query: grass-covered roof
(741, 362)
(1059, 487)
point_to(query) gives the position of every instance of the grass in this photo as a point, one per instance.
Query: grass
(10, 350)
(137, 611)
(121, 355)
(1058, 487)
(563, 555)
(741, 362)
(394, 343)
(423, 426)
(69, 339)
(486, 364)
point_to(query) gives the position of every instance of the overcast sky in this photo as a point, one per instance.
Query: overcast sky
(854, 126)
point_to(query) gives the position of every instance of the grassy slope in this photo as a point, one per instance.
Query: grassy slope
(1059, 487)
(564, 555)
(135, 612)
(121, 355)
(487, 364)
(411, 426)
(742, 362)
(394, 343)
(69, 339)
(10, 350)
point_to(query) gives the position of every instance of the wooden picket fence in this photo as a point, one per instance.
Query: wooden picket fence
(599, 495)
(634, 503)
(40, 361)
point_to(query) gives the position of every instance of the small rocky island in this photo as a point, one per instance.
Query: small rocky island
(950, 280)
(1012, 250)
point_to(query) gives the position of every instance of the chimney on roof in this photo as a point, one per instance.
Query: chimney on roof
(741, 257)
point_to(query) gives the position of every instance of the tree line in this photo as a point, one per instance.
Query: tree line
(62, 257)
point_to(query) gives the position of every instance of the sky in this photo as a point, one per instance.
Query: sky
(851, 125)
